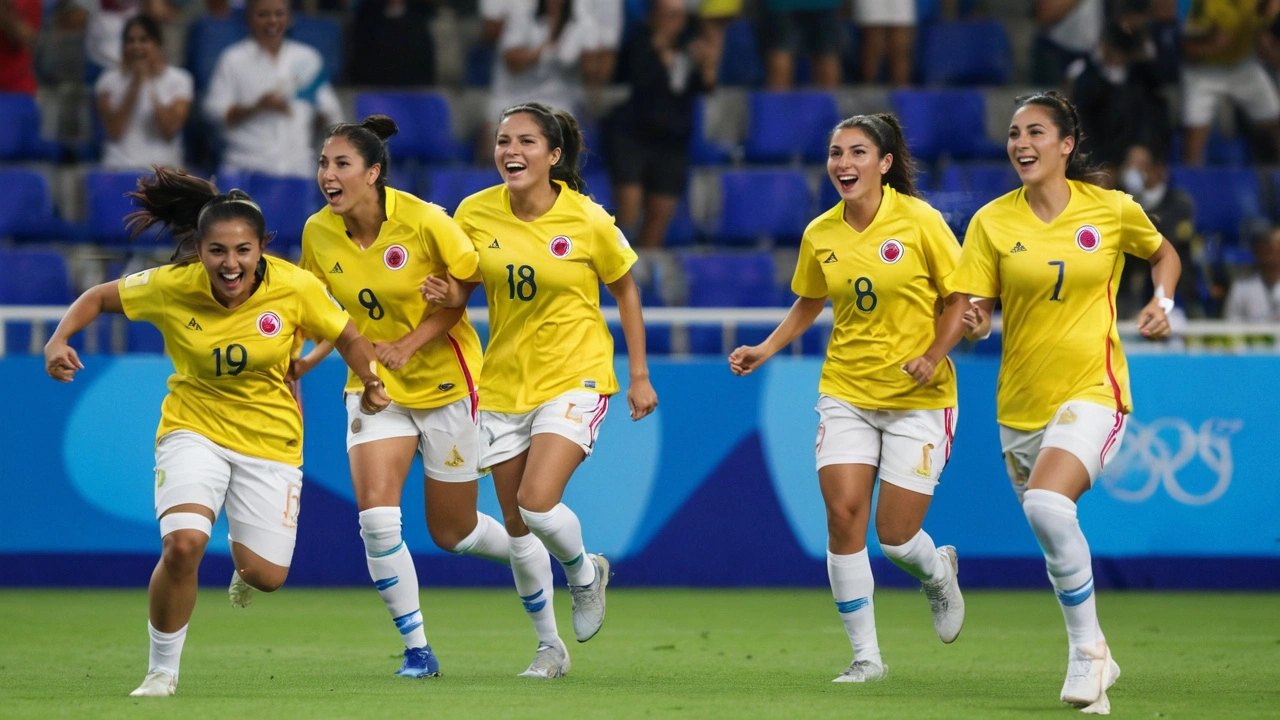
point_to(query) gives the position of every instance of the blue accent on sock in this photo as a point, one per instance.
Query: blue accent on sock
(410, 628)
(574, 561)
(1072, 598)
(530, 605)
(409, 622)
(385, 583)
(849, 606)
(392, 551)
(534, 596)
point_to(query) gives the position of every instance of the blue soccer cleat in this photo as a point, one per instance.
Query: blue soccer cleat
(419, 663)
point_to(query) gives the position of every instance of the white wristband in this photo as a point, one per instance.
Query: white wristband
(1165, 304)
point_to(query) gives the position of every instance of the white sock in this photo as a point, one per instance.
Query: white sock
(531, 568)
(918, 556)
(853, 586)
(391, 568)
(560, 531)
(1066, 553)
(488, 541)
(166, 650)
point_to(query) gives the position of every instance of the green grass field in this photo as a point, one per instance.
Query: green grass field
(662, 653)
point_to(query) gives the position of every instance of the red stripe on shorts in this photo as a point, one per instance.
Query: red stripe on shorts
(472, 392)
(601, 409)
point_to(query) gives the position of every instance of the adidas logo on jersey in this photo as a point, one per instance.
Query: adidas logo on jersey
(1018, 248)
(193, 325)
(337, 268)
(494, 245)
(830, 258)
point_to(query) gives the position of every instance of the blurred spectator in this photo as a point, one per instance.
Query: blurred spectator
(1257, 298)
(791, 26)
(1069, 31)
(599, 61)
(144, 103)
(493, 17)
(1220, 43)
(540, 57)
(106, 26)
(1117, 94)
(19, 29)
(269, 94)
(1158, 20)
(1145, 176)
(647, 137)
(888, 33)
(392, 43)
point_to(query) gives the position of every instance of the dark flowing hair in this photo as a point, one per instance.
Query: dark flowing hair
(561, 131)
(1063, 115)
(369, 138)
(187, 206)
(885, 131)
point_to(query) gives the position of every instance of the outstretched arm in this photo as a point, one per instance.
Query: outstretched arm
(60, 359)
(799, 318)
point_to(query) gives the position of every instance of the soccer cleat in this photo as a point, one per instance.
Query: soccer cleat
(240, 592)
(156, 684)
(945, 599)
(1090, 672)
(863, 671)
(588, 601)
(549, 662)
(419, 663)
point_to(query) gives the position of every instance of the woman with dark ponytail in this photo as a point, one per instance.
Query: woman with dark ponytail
(545, 247)
(230, 431)
(371, 246)
(887, 397)
(1053, 251)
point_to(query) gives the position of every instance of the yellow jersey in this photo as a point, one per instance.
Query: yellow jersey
(229, 365)
(1057, 284)
(379, 288)
(1241, 19)
(542, 279)
(885, 285)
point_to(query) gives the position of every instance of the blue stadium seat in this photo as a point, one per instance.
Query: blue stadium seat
(786, 126)
(206, 39)
(741, 63)
(107, 207)
(31, 277)
(737, 280)
(26, 208)
(974, 52)
(703, 151)
(986, 180)
(600, 188)
(324, 35)
(426, 125)
(479, 65)
(20, 130)
(763, 204)
(945, 122)
(957, 207)
(286, 204)
(1227, 199)
(683, 230)
(447, 187)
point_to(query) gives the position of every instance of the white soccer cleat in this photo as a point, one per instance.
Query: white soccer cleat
(156, 684)
(240, 592)
(1090, 672)
(863, 671)
(549, 663)
(588, 600)
(945, 599)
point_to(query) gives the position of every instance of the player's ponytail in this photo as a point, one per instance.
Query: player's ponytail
(369, 138)
(886, 133)
(187, 206)
(1067, 120)
(561, 131)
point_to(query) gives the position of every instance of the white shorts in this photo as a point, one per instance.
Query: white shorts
(1090, 431)
(1246, 83)
(448, 437)
(910, 447)
(576, 415)
(884, 13)
(261, 496)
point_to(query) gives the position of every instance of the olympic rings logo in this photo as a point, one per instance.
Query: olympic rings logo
(1150, 450)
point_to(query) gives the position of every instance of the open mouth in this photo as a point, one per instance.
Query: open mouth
(1025, 163)
(333, 195)
(231, 280)
(847, 182)
(514, 169)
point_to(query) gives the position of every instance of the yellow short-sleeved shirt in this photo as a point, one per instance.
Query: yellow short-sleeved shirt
(229, 365)
(1057, 284)
(1242, 19)
(542, 279)
(379, 288)
(885, 284)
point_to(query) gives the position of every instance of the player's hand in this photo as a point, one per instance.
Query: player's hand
(441, 291)
(374, 399)
(392, 355)
(921, 369)
(1153, 323)
(61, 361)
(274, 102)
(746, 358)
(641, 398)
(974, 317)
(298, 367)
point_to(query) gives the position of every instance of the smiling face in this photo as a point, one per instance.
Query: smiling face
(230, 251)
(855, 166)
(139, 47)
(268, 21)
(344, 177)
(522, 153)
(1037, 147)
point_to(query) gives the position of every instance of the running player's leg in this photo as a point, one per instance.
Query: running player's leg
(450, 447)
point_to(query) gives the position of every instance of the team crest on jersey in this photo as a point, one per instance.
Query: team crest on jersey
(560, 246)
(891, 251)
(269, 324)
(1088, 238)
(395, 257)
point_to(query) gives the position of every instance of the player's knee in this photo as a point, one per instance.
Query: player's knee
(513, 521)
(532, 500)
(266, 579)
(183, 550)
(893, 533)
(380, 530)
(448, 536)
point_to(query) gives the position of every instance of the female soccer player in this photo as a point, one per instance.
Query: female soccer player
(887, 397)
(1053, 251)
(548, 371)
(230, 432)
(372, 246)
